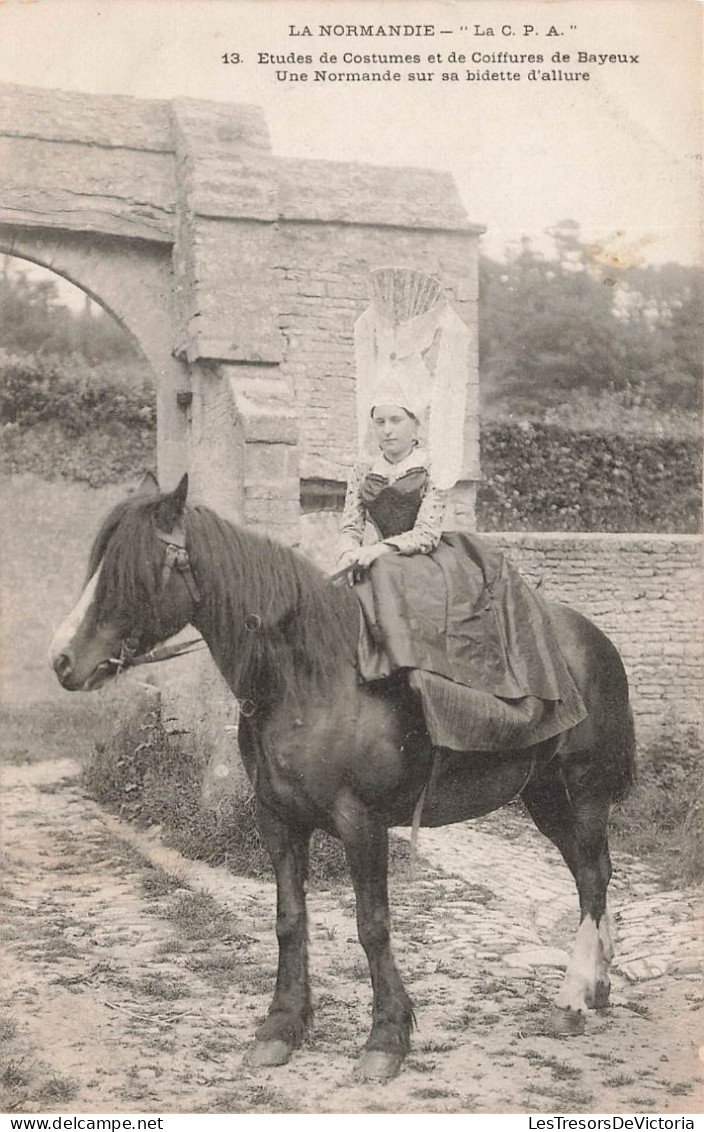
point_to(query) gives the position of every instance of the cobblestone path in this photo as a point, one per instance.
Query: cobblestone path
(133, 979)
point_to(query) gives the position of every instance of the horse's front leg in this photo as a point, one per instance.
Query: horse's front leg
(366, 844)
(289, 1014)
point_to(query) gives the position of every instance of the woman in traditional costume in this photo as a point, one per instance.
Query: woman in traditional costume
(476, 642)
(395, 490)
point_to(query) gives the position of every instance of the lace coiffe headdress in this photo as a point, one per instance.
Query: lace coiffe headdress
(412, 349)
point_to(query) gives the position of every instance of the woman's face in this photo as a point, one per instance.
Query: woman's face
(395, 431)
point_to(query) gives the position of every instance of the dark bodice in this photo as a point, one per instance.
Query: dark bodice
(393, 507)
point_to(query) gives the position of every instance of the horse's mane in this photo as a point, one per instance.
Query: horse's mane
(269, 614)
(126, 546)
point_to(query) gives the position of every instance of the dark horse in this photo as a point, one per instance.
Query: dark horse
(324, 751)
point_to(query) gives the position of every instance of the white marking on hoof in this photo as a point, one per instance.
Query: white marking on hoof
(587, 968)
(607, 935)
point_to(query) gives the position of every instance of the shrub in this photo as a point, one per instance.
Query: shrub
(70, 393)
(545, 477)
(662, 817)
(150, 776)
(61, 417)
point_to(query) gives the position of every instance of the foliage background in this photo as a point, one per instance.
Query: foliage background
(591, 380)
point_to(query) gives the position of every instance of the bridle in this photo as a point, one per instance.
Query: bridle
(175, 558)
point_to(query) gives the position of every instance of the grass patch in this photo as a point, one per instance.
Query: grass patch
(8, 1029)
(432, 1092)
(198, 916)
(14, 1075)
(58, 1089)
(432, 1045)
(640, 1008)
(162, 986)
(680, 1088)
(25, 1079)
(663, 818)
(220, 970)
(561, 1070)
(50, 731)
(157, 882)
(570, 1100)
(252, 1098)
(619, 1080)
(152, 777)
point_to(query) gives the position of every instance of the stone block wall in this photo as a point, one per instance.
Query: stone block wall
(270, 276)
(647, 594)
(323, 272)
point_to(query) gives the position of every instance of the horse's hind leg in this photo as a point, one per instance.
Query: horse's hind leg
(366, 845)
(290, 1011)
(574, 815)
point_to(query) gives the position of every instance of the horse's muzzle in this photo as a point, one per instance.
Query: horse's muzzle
(63, 667)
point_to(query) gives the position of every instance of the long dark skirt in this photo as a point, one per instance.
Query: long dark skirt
(478, 641)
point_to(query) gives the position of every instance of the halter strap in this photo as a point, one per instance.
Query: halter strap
(176, 558)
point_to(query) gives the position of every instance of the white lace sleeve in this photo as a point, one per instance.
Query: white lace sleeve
(354, 515)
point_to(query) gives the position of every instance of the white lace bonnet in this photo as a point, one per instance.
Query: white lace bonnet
(412, 349)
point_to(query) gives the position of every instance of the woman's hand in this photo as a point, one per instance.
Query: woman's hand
(368, 554)
(358, 560)
(348, 560)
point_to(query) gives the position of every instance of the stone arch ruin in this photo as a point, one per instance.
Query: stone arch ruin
(239, 275)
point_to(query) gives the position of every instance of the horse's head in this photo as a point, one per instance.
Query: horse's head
(139, 592)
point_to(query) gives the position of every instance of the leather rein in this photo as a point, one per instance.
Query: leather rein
(175, 558)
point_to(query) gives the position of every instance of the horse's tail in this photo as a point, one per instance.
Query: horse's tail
(625, 760)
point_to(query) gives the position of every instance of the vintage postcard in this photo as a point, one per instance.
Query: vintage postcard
(411, 293)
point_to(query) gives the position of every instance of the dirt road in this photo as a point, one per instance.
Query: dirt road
(133, 979)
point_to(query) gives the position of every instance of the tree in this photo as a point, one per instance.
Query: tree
(34, 320)
(549, 326)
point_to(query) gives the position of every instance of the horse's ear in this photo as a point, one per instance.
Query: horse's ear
(170, 509)
(149, 485)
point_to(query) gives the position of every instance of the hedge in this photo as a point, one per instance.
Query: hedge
(543, 477)
(71, 393)
(60, 418)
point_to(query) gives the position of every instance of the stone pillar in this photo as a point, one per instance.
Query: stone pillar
(244, 456)
(243, 445)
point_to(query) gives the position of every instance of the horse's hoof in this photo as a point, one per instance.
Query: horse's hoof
(602, 991)
(377, 1065)
(269, 1053)
(567, 1022)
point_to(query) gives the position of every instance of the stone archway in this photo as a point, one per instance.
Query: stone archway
(133, 285)
(238, 277)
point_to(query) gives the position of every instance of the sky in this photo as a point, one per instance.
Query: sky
(619, 152)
